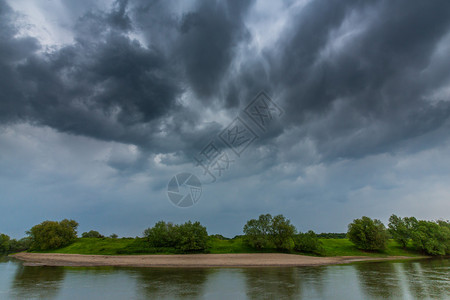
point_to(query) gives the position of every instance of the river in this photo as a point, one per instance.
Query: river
(417, 279)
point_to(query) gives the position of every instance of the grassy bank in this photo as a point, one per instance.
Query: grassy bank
(109, 246)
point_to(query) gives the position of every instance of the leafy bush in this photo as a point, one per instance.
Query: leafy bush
(268, 231)
(8, 245)
(53, 235)
(332, 235)
(4, 243)
(20, 245)
(114, 236)
(282, 233)
(162, 235)
(92, 234)
(432, 238)
(368, 234)
(257, 232)
(401, 229)
(187, 237)
(308, 242)
(219, 236)
(192, 237)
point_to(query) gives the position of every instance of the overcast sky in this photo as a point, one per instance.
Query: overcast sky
(102, 102)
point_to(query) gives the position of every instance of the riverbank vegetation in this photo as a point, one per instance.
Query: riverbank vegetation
(365, 237)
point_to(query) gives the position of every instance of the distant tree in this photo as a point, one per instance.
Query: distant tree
(4, 243)
(8, 245)
(192, 237)
(162, 235)
(368, 234)
(114, 236)
(282, 233)
(308, 242)
(445, 233)
(432, 238)
(92, 234)
(401, 229)
(53, 235)
(187, 237)
(219, 237)
(332, 235)
(20, 245)
(257, 232)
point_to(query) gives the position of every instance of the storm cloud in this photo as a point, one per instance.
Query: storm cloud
(146, 84)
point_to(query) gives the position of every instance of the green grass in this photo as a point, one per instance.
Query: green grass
(105, 246)
(108, 246)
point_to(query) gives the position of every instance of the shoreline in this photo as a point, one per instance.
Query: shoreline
(192, 260)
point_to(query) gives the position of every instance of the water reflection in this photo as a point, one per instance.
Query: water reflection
(170, 283)
(313, 279)
(271, 283)
(410, 279)
(430, 279)
(282, 283)
(418, 279)
(37, 282)
(379, 280)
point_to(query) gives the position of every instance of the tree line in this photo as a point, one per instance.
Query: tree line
(266, 232)
(428, 237)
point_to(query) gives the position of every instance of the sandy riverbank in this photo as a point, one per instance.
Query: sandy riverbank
(189, 260)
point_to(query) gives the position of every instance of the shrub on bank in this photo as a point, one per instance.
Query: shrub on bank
(368, 234)
(8, 245)
(270, 232)
(308, 243)
(92, 234)
(432, 238)
(187, 237)
(53, 235)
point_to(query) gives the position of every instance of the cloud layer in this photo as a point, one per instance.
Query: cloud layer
(124, 93)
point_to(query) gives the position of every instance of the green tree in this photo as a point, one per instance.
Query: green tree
(308, 242)
(114, 236)
(401, 229)
(257, 232)
(4, 243)
(53, 235)
(282, 233)
(192, 237)
(432, 238)
(8, 245)
(162, 235)
(187, 237)
(20, 245)
(368, 234)
(92, 234)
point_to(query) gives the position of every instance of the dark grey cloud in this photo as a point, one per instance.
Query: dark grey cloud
(110, 86)
(209, 38)
(353, 76)
(358, 68)
(13, 50)
(100, 86)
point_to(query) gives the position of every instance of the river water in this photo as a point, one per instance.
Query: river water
(417, 279)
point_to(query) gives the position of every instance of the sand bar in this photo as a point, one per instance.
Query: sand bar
(190, 260)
